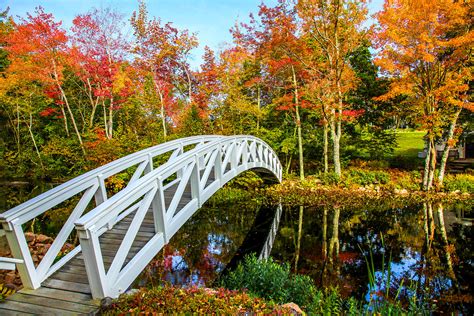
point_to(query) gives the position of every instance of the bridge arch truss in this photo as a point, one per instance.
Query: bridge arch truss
(133, 225)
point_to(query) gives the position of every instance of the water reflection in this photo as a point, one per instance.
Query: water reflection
(427, 247)
(413, 249)
(214, 239)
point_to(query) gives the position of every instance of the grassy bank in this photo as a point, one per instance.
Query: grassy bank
(357, 187)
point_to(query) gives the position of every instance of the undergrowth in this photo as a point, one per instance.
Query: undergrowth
(170, 300)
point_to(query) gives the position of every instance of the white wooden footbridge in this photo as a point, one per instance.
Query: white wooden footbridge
(120, 234)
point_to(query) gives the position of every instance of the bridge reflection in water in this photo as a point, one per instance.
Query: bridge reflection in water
(221, 241)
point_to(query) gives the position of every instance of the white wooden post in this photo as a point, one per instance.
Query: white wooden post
(218, 172)
(19, 248)
(159, 211)
(94, 263)
(101, 194)
(195, 181)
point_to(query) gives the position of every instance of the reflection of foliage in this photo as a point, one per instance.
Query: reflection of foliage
(205, 244)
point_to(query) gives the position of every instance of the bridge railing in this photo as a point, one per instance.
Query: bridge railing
(88, 190)
(188, 181)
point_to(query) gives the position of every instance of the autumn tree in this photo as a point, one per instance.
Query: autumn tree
(39, 52)
(272, 40)
(161, 49)
(425, 48)
(99, 51)
(5, 29)
(335, 26)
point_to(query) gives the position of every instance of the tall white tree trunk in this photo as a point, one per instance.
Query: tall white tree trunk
(447, 147)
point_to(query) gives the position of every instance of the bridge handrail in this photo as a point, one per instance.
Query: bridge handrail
(191, 169)
(116, 165)
(89, 220)
(90, 185)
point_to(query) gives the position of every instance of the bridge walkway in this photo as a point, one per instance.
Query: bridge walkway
(67, 291)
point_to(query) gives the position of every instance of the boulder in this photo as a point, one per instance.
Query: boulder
(293, 308)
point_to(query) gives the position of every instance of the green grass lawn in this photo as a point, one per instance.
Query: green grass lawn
(410, 143)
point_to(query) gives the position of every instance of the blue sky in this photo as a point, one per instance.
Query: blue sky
(210, 19)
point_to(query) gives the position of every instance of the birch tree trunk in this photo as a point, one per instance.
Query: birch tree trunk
(447, 147)
(325, 146)
(432, 164)
(66, 102)
(298, 124)
(426, 169)
(30, 127)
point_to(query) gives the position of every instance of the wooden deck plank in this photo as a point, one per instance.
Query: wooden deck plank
(67, 286)
(34, 309)
(81, 269)
(120, 237)
(7, 312)
(71, 277)
(62, 295)
(51, 302)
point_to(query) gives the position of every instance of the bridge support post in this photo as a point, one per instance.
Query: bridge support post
(94, 264)
(195, 181)
(218, 172)
(19, 248)
(159, 211)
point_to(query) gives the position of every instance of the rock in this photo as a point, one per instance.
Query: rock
(294, 308)
(105, 302)
(132, 291)
(11, 287)
(402, 191)
(44, 239)
(10, 277)
(29, 237)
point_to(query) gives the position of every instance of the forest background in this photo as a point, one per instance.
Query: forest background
(308, 77)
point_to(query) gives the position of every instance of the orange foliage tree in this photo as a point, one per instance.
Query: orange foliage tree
(335, 28)
(39, 53)
(425, 47)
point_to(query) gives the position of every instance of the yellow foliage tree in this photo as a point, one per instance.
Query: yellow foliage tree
(425, 46)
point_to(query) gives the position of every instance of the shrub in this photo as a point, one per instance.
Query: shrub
(461, 182)
(329, 178)
(408, 162)
(248, 180)
(366, 177)
(174, 300)
(269, 280)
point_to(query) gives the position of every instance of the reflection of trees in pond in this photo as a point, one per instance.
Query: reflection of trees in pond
(421, 246)
(203, 246)
(298, 240)
(441, 272)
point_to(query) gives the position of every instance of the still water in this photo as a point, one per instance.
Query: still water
(419, 249)
(426, 248)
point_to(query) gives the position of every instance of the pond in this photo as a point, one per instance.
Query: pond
(422, 250)
(417, 249)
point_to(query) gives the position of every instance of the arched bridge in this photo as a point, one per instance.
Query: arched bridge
(119, 234)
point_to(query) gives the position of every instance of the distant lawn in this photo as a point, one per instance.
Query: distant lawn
(410, 143)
